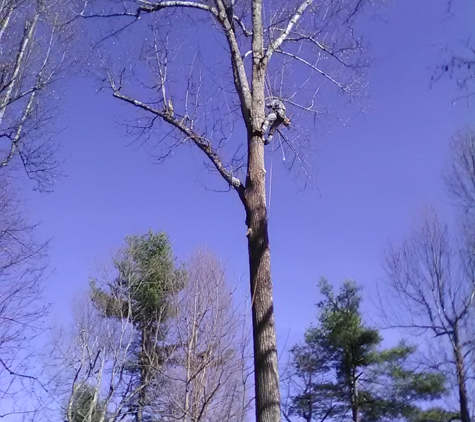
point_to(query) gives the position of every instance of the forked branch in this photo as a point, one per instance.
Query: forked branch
(326, 75)
(201, 142)
(275, 44)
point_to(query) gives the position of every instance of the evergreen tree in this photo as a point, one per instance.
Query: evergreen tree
(147, 279)
(342, 374)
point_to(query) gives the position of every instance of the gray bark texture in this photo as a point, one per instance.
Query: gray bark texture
(461, 375)
(264, 334)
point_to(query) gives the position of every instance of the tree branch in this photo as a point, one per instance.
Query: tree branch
(316, 69)
(310, 38)
(149, 7)
(245, 31)
(30, 28)
(201, 142)
(239, 71)
(292, 22)
(16, 374)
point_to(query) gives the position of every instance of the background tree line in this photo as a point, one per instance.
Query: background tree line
(156, 341)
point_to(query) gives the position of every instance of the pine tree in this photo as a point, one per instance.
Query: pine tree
(342, 374)
(147, 278)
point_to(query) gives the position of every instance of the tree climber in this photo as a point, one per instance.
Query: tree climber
(274, 119)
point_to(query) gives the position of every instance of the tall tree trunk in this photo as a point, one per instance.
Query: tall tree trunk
(354, 398)
(266, 374)
(143, 377)
(461, 377)
(146, 362)
(265, 348)
(311, 400)
(265, 345)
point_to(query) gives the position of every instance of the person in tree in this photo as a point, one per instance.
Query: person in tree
(275, 117)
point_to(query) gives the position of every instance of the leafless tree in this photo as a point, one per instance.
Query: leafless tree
(32, 41)
(433, 290)
(22, 269)
(207, 376)
(433, 275)
(199, 72)
(100, 362)
(97, 360)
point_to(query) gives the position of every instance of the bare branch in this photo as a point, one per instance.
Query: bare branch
(239, 70)
(36, 60)
(275, 44)
(200, 141)
(17, 374)
(22, 271)
(150, 7)
(340, 85)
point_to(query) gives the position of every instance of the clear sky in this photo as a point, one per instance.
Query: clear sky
(371, 177)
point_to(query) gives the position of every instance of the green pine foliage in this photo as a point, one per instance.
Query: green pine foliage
(341, 373)
(142, 293)
(147, 277)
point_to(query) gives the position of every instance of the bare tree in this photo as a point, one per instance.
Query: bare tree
(433, 274)
(22, 267)
(96, 363)
(431, 282)
(207, 375)
(32, 52)
(199, 72)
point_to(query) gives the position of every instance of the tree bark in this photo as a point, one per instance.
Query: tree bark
(266, 374)
(144, 369)
(265, 347)
(461, 377)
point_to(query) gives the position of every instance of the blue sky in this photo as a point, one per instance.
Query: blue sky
(371, 176)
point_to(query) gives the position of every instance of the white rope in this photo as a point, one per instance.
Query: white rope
(267, 87)
(270, 180)
(269, 196)
(282, 148)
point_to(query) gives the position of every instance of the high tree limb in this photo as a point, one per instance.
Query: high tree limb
(201, 142)
(239, 71)
(149, 7)
(275, 44)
